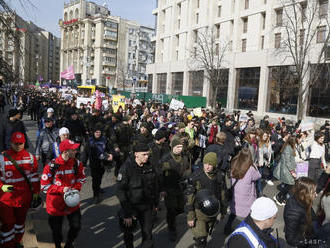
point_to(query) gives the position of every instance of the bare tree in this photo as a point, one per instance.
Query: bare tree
(208, 55)
(305, 30)
(122, 72)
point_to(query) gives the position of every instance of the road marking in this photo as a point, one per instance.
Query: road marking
(96, 226)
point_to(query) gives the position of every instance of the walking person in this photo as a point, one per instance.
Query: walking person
(244, 176)
(317, 157)
(15, 192)
(61, 179)
(138, 193)
(285, 171)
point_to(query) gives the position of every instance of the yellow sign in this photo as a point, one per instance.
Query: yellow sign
(117, 101)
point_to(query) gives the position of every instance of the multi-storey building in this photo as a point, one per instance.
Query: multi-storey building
(253, 31)
(138, 51)
(100, 46)
(33, 58)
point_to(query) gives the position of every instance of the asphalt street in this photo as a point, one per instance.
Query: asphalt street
(99, 222)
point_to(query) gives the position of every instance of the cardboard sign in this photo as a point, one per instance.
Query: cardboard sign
(243, 118)
(198, 112)
(83, 100)
(136, 102)
(306, 125)
(175, 104)
(105, 104)
(117, 101)
(302, 169)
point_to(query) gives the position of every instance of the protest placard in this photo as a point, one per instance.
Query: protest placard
(175, 104)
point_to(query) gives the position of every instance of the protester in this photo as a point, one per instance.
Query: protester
(244, 176)
(299, 216)
(285, 171)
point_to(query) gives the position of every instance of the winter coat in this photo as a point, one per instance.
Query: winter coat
(21, 195)
(265, 154)
(286, 164)
(45, 142)
(76, 128)
(245, 193)
(294, 219)
(53, 184)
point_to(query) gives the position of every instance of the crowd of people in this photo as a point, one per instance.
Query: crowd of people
(210, 165)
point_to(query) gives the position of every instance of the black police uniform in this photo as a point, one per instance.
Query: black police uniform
(138, 193)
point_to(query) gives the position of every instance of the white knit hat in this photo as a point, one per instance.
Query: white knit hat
(263, 208)
(50, 110)
(64, 130)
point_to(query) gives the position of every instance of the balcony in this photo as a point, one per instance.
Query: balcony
(109, 63)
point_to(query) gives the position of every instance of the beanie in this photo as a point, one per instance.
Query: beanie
(141, 147)
(263, 208)
(159, 135)
(211, 159)
(181, 125)
(175, 142)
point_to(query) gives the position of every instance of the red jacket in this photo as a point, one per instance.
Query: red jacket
(63, 177)
(21, 195)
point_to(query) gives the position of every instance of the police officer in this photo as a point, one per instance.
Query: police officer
(137, 191)
(124, 136)
(159, 147)
(200, 217)
(175, 168)
(99, 153)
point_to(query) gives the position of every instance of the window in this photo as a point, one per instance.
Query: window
(217, 49)
(263, 16)
(245, 24)
(278, 40)
(219, 11)
(217, 28)
(195, 36)
(179, 24)
(198, 3)
(246, 5)
(177, 55)
(196, 82)
(177, 78)
(262, 42)
(179, 8)
(327, 53)
(321, 34)
(247, 90)
(323, 11)
(303, 11)
(244, 45)
(283, 90)
(279, 17)
(197, 18)
(301, 37)
(319, 105)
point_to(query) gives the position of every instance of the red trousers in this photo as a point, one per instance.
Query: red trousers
(13, 223)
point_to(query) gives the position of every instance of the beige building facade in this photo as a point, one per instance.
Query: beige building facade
(253, 32)
(97, 44)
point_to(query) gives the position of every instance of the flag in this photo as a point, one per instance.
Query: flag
(68, 73)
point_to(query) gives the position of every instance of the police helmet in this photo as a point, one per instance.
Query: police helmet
(207, 203)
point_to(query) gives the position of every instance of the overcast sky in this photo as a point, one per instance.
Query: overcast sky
(46, 13)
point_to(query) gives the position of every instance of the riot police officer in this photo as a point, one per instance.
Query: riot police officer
(205, 199)
(138, 193)
(175, 169)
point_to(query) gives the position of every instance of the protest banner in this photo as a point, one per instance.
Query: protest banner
(175, 104)
(306, 125)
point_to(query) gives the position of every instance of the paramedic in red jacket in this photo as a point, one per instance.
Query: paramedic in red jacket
(15, 194)
(60, 175)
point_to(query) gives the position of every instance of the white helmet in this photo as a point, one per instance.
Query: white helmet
(72, 198)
